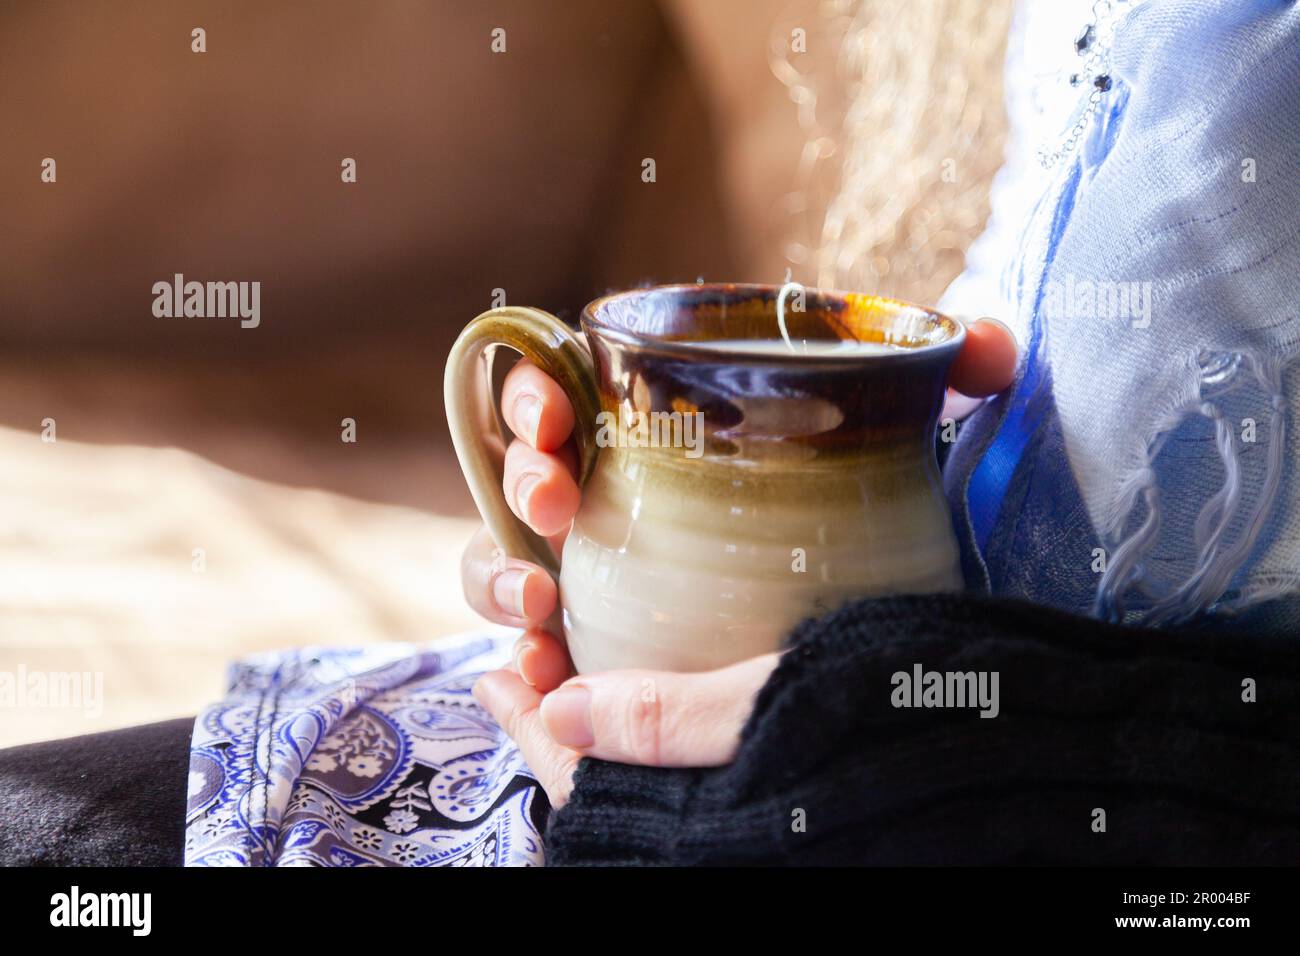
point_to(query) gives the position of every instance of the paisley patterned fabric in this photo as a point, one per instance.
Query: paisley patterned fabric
(361, 757)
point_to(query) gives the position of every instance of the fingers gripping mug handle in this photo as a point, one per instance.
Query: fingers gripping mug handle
(475, 423)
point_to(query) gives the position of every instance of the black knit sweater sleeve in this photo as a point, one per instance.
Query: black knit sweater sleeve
(1110, 745)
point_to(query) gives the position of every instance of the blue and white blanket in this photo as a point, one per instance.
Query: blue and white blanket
(361, 757)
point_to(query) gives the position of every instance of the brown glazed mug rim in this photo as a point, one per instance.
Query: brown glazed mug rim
(700, 350)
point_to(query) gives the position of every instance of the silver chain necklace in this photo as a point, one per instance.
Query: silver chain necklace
(1092, 45)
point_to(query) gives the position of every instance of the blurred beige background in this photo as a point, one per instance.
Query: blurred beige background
(476, 171)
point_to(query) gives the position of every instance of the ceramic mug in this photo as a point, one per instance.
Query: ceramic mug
(749, 455)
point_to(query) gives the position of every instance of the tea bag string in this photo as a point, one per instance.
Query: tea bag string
(780, 314)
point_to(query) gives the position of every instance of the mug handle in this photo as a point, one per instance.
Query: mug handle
(475, 420)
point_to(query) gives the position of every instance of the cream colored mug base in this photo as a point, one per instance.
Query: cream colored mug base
(654, 576)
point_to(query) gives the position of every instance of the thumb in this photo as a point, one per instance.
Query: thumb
(987, 361)
(656, 719)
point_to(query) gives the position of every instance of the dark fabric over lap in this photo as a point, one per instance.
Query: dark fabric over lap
(1148, 725)
(110, 799)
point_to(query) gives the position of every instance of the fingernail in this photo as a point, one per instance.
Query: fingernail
(1000, 324)
(528, 415)
(566, 713)
(524, 491)
(508, 590)
(517, 661)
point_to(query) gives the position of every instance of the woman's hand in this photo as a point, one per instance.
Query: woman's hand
(626, 716)
(639, 717)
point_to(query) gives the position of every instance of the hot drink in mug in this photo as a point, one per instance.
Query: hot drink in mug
(748, 458)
